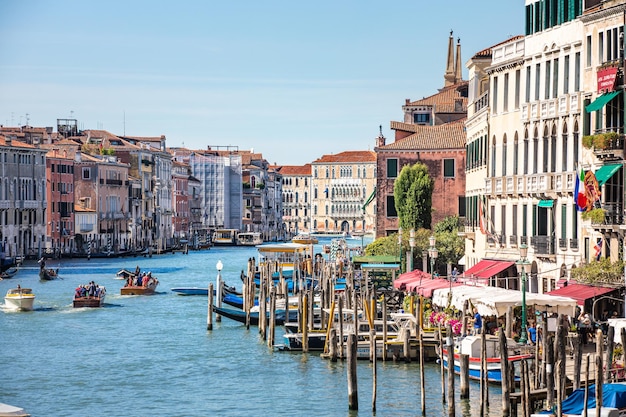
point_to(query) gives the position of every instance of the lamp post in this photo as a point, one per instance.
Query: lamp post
(412, 245)
(400, 247)
(218, 288)
(433, 253)
(522, 266)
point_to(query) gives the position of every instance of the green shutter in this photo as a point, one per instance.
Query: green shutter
(534, 225)
(392, 168)
(574, 222)
(524, 219)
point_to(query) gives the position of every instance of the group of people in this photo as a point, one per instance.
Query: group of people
(140, 279)
(91, 290)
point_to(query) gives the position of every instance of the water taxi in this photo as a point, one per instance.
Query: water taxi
(89, 295)
(21, 299)
(225, 237)
(249, 239)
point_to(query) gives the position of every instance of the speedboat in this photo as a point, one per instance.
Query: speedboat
(21, 299)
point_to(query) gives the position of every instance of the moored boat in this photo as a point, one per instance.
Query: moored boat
(471, 345)
(239, 315)
(304, 239)
(9, 273)
(19, 298)
(249, 239)
(225, 237)
(89, 295)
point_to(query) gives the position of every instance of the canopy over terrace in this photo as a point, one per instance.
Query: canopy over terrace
(493, 301)
(410, 277)
(428, 286)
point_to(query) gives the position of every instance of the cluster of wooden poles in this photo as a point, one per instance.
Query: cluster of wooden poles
(547, 385)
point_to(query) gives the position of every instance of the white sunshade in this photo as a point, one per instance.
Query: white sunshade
(493, 301)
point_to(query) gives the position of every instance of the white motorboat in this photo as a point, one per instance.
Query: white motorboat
(7, 410)
(19, 299)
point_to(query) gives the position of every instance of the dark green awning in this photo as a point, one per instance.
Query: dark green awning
(546, 203)
(601, 101)
(605, 172)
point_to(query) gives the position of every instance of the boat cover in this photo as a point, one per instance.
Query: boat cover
(613, 395)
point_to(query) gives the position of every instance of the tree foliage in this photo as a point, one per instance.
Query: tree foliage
(600, 272)
(413, 195)
(447, 241)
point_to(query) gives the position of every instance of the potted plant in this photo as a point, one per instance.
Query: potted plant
(595, 215)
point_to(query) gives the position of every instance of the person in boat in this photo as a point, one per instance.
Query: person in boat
(137, 270)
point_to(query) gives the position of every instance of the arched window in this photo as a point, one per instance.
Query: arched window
(536, 151)
(515, 153)
(526, 152)
(564, 147)
(553, 149)
(493, 157)
(504, 155)
(546, 150)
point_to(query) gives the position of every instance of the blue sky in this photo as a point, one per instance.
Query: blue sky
(291, 79)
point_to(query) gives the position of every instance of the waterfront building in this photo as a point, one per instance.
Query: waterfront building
(221, 189)
(433, 133)
(262, 189)
(296, 198)
(101, 184)
(23, 199)
(157, 197)
(341, 185)
(274, 211)
(603, 125)
(60, 221)
(181, 216)
(523, 139)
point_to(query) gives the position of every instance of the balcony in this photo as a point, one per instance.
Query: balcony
(543, 245)
(85, 227)
(606, 145)
(482, 102)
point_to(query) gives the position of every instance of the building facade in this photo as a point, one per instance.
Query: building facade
(341, 185)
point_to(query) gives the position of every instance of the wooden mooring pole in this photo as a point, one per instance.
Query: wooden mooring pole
(353, 391)
(209, 315)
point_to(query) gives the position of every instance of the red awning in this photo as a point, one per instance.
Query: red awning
(480, 266)
(495, 269)
(428, 286)
(581, 292)
(402, 280)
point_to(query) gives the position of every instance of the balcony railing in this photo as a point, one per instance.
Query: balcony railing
(543, 245)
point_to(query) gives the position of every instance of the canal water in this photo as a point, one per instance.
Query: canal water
(152, 355)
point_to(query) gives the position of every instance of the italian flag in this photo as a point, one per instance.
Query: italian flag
(579, 192)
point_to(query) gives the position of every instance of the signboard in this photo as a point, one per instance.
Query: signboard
(606, 80)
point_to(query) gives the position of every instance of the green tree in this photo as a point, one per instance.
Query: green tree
(600, 272)
(450, 245)
(413, 195)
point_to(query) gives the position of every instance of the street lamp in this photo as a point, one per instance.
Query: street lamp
(412, 245)
(400, 247)
(433, 253)
(523, 267)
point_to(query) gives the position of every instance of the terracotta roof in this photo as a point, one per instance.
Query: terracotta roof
(295, 170)
(348, 156)
(15, 143)
(447, 136)
(445, 100)
(486, 53)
